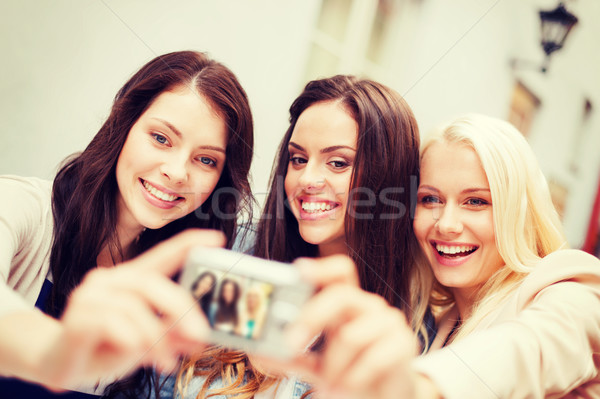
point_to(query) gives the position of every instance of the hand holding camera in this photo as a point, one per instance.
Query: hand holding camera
(248, 301)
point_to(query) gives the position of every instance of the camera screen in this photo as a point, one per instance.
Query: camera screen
(232, 303)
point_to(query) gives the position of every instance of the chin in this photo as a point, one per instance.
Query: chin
(313, 238)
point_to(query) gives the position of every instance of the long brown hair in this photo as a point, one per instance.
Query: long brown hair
(386, 167)
(227, 312)
(85, 189)
(383, 246)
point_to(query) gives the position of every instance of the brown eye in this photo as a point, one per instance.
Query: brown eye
(338, 164)
(296, 160)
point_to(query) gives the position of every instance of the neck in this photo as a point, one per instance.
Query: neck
(464, 302)
(336, 247)
(127, 232)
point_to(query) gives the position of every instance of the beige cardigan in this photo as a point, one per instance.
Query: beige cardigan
(543, 342)
(26, 225)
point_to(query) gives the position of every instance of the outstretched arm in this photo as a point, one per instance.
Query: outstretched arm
(117, 320)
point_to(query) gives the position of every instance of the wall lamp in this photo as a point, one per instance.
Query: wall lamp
(555, 26)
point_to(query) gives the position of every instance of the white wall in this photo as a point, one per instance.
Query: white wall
(458, 61)
(63, 61)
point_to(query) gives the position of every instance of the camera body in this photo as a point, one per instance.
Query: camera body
(249, 301)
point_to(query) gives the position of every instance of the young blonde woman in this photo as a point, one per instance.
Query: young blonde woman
(342, 183)
(520, 313)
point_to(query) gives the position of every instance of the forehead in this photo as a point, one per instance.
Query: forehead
(452, 163)
(324, 124)
(190, 113)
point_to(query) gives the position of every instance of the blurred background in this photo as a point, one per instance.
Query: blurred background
(64, 60)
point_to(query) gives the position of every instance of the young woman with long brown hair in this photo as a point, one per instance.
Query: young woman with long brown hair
(342, 183)
(178, 139)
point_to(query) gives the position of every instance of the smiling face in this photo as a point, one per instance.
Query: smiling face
(454, 222)
(322, 150)
(171, 161)
(228, 292)
(204, 286)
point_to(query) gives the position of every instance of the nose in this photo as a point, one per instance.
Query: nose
(175, 168)
(448, 220)
(312, 178)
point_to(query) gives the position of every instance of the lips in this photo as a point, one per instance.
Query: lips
(452, 254)
(159, 196)
(316, 208)
(454, 251)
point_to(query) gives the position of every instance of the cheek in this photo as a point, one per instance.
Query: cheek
(421, 224)
(129, 160)
(123, 165)
(204, 186)
(289, 184)
(483, 226)
(342, 189)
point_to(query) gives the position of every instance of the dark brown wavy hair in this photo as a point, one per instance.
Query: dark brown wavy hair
(206, 299)
(383, 245)
(85, 189)
(382, 190)
(227, 311)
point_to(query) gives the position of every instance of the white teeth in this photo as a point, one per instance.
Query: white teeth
(159, 194)
(312, 207)
(454, 249)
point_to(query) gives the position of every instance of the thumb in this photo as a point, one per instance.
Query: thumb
(168, 256)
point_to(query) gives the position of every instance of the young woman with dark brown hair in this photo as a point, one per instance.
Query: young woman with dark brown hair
(378, 157)
(225, 314)
(343, 179)
(203, 290)
(177, 144)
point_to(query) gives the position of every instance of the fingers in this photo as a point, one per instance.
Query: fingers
(369, 343)
(168, 256)
(351, 343)
(133, 315)
(161, 295)
(384, 360)
(329, 309)
(336, 269)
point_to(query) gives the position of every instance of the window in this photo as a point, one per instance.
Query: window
(523, 108)
(353, 37)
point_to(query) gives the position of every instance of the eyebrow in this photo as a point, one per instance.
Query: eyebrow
(465, 191)
(323, 150)
(178, 134)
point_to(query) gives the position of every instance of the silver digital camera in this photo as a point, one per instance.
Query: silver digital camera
(248, 301)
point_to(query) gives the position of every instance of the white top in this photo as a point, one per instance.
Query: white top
(26, 231)
(26, 225)
(542, 342)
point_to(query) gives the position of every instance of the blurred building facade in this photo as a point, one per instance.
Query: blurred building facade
(64, 61)
(449, 58)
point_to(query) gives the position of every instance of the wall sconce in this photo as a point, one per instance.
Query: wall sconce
(556, 25)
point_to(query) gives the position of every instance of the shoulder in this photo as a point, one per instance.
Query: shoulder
(565, 264)
(24, 192)
(32, 186)
(568, 265)
(25, 201)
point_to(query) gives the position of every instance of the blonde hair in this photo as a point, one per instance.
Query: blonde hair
(234, 368)
(526, 224)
